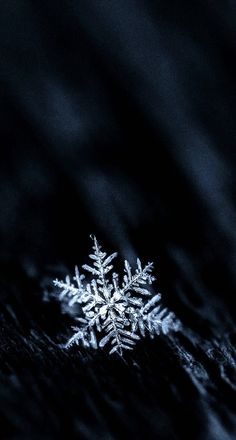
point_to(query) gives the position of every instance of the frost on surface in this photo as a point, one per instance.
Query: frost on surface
(113, 313)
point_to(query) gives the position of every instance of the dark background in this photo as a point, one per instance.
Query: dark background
(118, 118)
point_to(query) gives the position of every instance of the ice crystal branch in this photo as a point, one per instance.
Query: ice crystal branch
(113, 314)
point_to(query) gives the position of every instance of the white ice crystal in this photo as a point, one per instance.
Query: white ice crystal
(112, 313)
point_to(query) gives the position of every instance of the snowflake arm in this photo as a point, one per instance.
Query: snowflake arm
(69, 289)
(83, 336)
(162, 321)
(137, 281)
(101, 263)
(119, 338)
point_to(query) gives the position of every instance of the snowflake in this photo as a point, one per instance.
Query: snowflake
(111, 313)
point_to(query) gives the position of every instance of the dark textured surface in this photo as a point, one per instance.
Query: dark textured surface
(118, 118)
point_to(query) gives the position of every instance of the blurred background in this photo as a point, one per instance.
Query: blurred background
(117, 118)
